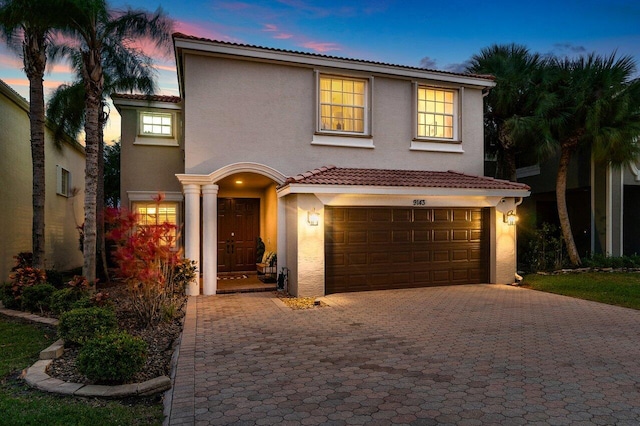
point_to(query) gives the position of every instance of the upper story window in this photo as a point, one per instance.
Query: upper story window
(343, 105)
(437, 114)
(63, 181)
(156, 124)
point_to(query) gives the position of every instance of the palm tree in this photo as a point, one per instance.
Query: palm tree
(512, 106)
(101, 32)
(597, 108)
(27, 25)
(128, 71)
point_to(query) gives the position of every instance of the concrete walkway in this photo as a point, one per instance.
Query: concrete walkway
(464, 355)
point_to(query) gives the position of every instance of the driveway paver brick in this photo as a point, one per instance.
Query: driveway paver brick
(473, 355)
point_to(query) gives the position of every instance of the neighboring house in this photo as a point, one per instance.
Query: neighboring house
(611, 196)
(64, 185)
(360, 175)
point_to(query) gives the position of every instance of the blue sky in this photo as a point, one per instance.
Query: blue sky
(437, 35)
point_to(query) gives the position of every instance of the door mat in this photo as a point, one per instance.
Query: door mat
(232, 277)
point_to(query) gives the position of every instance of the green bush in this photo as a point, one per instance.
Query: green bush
(37, 298)
(112, 358)
(64, 300)
(77, 326)
(7, 297)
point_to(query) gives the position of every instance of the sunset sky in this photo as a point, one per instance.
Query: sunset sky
(436, 35)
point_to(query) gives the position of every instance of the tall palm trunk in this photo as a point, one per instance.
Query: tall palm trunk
(93, 80)
(35, 61)
(561, 199)
(101, 243)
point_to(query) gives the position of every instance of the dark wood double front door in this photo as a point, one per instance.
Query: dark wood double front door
(238, 228)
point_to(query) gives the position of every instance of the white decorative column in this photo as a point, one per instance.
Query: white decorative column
(209, 239)
(192, 232)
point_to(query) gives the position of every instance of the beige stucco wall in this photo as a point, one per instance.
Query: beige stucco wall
(305, 246)
(62, 214)
(502, 252)
(265, 113)
(147, 167)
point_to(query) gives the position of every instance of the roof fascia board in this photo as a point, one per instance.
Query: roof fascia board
(135, 103)
(346, 64)
(398, 190)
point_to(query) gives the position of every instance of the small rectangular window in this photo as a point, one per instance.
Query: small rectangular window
(63, 181)
(437, 113)
(156, 124)
(342, 105)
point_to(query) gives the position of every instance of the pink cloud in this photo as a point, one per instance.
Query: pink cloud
(321, 47)
(7, 61)
(283, 36)
(48, 84)
(270, 28)
(165, 67)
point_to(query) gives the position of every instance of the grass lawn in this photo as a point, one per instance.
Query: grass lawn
(621, 289)
(20, 345)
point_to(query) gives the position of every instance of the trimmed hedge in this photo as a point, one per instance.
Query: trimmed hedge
(112, 358)
(37, 298)
(78, 326)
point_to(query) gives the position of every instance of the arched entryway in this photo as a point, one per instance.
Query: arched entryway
(239, 203)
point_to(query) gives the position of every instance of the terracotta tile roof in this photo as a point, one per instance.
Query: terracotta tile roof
(151, 98)
(331, 175)
(318, 55)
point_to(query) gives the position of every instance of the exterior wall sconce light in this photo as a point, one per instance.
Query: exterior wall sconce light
(510, 218)
(313, 217)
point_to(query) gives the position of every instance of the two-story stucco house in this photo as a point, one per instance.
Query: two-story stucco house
(64, 186)
(360, 175)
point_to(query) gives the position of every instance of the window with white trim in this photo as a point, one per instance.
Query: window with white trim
(343, 104)
(437, 112)
(157, 213)
(63, 181)
(156, 124)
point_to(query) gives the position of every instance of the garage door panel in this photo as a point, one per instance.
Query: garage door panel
(441, 215)
(460, 235)
(422, 215)
(380, 237)
(421, 235)
(380, 215)
(441, 256)
(336, 237)
(402, 236)
(459, 255)
(356, 237)
(402, 215)
(357, 259)
(379, 258)
(440, 235)
(382, 248)
(441, 276)
(461, 215)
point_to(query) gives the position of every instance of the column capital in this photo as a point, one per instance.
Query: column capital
(191, 188)
(210, 189)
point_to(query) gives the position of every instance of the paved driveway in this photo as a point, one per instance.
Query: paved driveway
(468, 355)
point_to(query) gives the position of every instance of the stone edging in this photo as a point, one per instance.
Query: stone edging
(37, 377)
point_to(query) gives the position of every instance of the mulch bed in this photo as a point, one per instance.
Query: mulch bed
(161, 341)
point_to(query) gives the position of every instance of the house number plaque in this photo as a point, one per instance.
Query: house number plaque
(419, 202)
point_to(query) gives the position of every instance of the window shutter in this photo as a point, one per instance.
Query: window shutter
(58, 179)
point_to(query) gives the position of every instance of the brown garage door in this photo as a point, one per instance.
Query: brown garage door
(378, 248)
